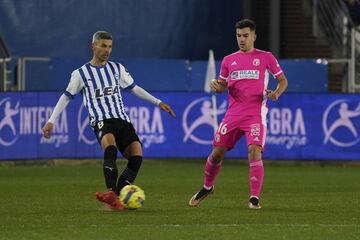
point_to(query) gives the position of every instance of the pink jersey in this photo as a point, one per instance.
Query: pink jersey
(247, 78)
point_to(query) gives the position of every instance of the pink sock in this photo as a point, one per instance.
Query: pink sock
(211, 171)
(256, 177)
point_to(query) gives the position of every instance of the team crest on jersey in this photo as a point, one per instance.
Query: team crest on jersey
(256, 62)
(116, 76)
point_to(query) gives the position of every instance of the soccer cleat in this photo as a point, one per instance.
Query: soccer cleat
(110, 199)
(254, 203)
(199, 196)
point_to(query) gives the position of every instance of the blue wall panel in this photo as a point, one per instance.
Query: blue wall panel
(141, 29)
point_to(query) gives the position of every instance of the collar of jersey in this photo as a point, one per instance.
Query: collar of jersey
(102, 66)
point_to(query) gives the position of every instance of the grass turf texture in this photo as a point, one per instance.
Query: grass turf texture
(299, 202)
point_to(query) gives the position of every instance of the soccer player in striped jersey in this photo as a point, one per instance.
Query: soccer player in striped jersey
(245, 74)
(100, 82)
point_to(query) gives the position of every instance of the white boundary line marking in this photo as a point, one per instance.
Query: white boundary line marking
(243, 225)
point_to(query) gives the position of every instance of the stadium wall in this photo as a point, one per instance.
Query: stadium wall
(140, 29)
(305, 75)
(300, 126)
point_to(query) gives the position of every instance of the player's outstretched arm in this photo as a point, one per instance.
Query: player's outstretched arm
(143, 94)
(60, 106)
(218, 85)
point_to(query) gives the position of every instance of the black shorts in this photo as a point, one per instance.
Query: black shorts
(123, 131)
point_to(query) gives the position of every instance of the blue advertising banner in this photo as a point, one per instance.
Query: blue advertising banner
(300, 126)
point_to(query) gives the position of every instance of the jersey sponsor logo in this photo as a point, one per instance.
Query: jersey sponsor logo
(107, 91)
(17, 121)
(286, 128)
(339, 124)
(245, 74)
(194, 124)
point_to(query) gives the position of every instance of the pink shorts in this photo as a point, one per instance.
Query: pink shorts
(232, 128)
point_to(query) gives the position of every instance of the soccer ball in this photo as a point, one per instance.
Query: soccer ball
(132, 197)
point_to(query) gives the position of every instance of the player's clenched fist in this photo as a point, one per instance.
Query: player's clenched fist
(218, 86)
(47, 129)
(272, 95)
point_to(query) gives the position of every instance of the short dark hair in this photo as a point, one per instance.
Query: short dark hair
(101, 35)
(244, 23)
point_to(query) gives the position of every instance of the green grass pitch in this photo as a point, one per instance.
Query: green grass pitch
(299, 202)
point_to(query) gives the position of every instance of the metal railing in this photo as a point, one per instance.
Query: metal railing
(354, 84)
(21, 70)
(4, 74)
(332, 21)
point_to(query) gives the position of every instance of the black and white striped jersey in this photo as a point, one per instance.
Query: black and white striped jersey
(101, 90)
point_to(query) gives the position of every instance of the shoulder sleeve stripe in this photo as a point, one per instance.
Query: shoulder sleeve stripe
(278, 73)
(68, 94)
(130, 87)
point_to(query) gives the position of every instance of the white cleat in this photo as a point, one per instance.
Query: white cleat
(199, 196)
(252, 206)
(254, 203)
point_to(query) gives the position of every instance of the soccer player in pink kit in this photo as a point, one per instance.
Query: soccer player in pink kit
(245, 74)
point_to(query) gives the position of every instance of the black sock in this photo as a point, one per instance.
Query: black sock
(109, 167)
(129, 174)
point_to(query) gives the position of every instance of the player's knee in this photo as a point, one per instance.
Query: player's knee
(107, 140)
(133, 149)
(254, 152)
(217, 156)
(215, 159)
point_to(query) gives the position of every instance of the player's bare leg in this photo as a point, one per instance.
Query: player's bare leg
(256, 175)
(212, 169)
